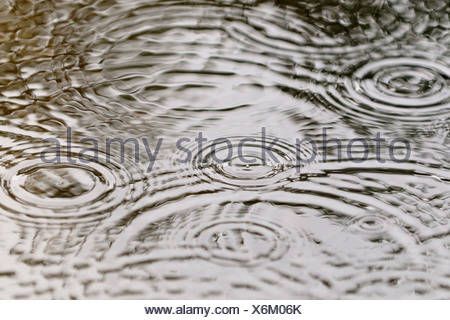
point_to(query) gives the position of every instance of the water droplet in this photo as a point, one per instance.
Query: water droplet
(407, 89)
(249, 165)
(64, 193)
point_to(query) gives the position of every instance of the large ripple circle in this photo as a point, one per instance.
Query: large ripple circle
(64, 193)
(401, 83)
(232, 234)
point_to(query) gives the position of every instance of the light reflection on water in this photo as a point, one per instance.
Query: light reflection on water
(119, 69)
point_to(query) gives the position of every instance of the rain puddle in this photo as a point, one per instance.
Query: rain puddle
(245, 210)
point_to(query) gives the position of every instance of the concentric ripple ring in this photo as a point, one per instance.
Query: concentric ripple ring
(401, 83)
(63, 193)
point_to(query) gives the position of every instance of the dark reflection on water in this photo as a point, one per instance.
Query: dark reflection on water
(119, 69)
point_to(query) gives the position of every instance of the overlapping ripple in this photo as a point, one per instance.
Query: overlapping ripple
(217, 226)
(394, 88)
(354, 229)
(229, 235)
(74, 189)
(163, 62)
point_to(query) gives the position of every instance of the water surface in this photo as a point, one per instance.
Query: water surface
(207, 230)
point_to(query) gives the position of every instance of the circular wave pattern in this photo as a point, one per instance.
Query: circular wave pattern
(370, 224)
(245, 243)
(404, 88)
(378, 228)
(338, 226)
(65, 193)
(184, 59)
(249, 162)
(231, 234)
(401, 82)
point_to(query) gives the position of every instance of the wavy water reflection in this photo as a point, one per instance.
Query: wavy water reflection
(246, 226)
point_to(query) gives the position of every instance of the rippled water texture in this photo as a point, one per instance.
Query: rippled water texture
(272, 228)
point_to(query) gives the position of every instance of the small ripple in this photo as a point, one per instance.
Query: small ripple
(160, 59)
(406, 89)
(402, 82)
(325, 231)
(246, 237)
(248, 162)
(372, 224)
